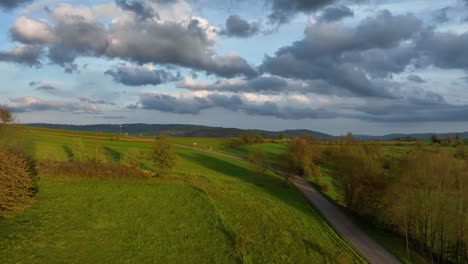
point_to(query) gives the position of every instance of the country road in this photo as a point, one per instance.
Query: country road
(366, 246)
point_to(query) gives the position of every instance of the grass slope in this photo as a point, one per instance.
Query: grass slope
(210, 210)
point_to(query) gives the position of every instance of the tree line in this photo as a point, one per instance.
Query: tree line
(420, 196)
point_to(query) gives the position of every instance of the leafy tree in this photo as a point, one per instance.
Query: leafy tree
(360, 177)
(6, 116)
(281, 136)
(302, 156)
(435, 139)
(162, 155)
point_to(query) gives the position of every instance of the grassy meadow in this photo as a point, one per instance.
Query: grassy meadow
(208, 209)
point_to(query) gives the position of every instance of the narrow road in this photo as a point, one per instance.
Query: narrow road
(366, 246)
(369, 249)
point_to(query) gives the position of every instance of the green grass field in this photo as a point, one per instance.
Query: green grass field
(210, 209)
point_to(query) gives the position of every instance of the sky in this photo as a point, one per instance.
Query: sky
(366, 66)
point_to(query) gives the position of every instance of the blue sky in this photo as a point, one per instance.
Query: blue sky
(371, 67)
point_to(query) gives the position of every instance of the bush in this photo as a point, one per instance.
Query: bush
(92, 169)
(17, 186)
(162, 155)
(132, 158)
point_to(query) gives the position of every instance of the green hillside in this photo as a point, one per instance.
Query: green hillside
(210, 209)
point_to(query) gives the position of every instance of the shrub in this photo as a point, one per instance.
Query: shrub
(132, 158)
(17, 186)
(91, 169)
(162, 155)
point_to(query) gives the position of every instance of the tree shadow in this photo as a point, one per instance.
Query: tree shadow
(267, 183)
(68, 151)
(114, 155)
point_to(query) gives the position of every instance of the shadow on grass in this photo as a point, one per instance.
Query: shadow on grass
(68, 151)
(114, 155)
(269, 184)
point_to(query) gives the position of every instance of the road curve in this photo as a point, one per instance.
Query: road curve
(366, 246)
(369, 249)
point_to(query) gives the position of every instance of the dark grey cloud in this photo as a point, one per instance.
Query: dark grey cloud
(415, 78)
(441, 16)
(137, 75)
(336, 13)
(77, 37)
(10, 4)
(23, 54)
(445, 50)
(263, 85)
(238, 27)
(46, 87)
(283, 10)
(173, 43)
(194, 105)
(140, 8)
(185, 43)
(346, 57)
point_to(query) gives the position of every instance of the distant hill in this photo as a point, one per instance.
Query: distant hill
(179, 130)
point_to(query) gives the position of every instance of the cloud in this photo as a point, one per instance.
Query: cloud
(283, 10)
(33, 104)
(140, 8)
(445, 50)
(346, 57)
(77, 31)
(336, 13)
(141, 75)
(415, 78)
(238, 27)
(23, 54)
(289, 108)
(10, 4)
(441, 16)
(262, 85)
(45, 87)
(31, 31)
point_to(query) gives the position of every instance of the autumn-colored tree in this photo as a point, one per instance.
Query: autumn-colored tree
(359, 176)
(162, 155)
(5, 116)
(16, 183)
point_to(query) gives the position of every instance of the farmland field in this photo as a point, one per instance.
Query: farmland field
(208, 209)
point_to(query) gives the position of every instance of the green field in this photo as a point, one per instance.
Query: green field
(210, 209)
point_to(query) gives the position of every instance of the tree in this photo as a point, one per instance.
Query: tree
(258, 158)
(5, 116)
(302, 156)
(360, 177)
(435, 139)
(162, 155)
(281, 136)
